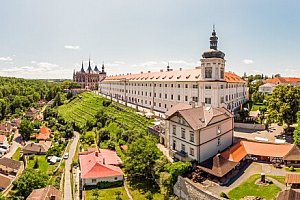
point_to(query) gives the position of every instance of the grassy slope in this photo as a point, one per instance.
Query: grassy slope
(249, 188)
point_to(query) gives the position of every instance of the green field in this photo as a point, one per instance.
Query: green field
(17, 154)
(106, 194)
(85, 106)
(249, 188)
(44, 166)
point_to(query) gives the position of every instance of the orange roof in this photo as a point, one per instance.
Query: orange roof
(44, 133)
(280, 80)
(266, 149)
(186, 75)
(2, 138)
(235, 153)
(44, 130)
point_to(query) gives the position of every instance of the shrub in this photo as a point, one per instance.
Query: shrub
(36, 163)
(105, 184)
(31, 157)
(291, 168)
(224, 195)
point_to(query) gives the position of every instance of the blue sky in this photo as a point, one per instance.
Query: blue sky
(50, 38)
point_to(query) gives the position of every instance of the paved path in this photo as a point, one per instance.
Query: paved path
(15, 144)
(67, 187)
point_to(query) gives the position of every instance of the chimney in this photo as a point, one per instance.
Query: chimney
(53, 197)
(193, 104)
(96, 153)
(180, 69)
(141, 72)
(104, 161)
(161, 70)
(149, 71)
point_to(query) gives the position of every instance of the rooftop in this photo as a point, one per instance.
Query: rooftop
(45, 194)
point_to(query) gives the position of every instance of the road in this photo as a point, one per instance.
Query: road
(67, 186)
(15, 144)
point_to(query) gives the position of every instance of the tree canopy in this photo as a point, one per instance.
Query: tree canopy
(283, 104)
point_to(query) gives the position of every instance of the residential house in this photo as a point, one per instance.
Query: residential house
(267, 88)
(44, 133)
(47, 193)
(292, 158)
(271, 83)
(9, 166)
(197, 133)
(288, 194)
(97, 167)
(6, 129)
(37, 148)
(5, 181)
(3, 141)
(32, 113)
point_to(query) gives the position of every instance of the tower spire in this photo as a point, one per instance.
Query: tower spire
(214, 39)
(82, 69)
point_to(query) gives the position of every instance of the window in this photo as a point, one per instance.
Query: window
(154, 94)
(178, 85)
(192, 136)
(165, 105)
(159, 95)
(195, 99)
(159, 85)
(116, 178)
(222, 73)
(159, 105)
(166, 96)
(94, 180)
(174, 130)
(171, 96)
(208, 100)
(171, 85)
(183, 147)
(174, 144)
(222, 86)
(219, 141)
(208, 72)
(182, 133)
(186, 85)
(219, 130)
(195, 86)
(207, 87)
(178, 97)
(186, 98)
(222, 99)
(192, 153)
(166, 85)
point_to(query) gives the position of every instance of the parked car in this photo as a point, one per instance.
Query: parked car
(66, 155)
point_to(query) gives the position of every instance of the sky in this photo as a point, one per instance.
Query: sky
(50, 38)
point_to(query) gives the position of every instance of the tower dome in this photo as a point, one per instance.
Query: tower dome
(213, 52)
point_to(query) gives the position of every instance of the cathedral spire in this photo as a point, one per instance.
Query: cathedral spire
(89, 68)
(214, 39)
(82, 69)
(103, 67)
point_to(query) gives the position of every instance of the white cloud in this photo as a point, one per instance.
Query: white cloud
(42, 67)
(6, 59)
(73, 47)
(248, 61)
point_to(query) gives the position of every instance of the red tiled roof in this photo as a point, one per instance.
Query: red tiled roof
(2, 138)
(45, 193)
(94, 166)
(280, 80)
(111, 157)
(235, 153)
(44, 133)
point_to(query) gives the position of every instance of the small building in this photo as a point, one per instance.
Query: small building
(198, 133)
(32, 113)
(267, 88)
(6, 129)
(9, 166)
(293, 180)
(37, 148)
(44, 133)
(5, 181)
(47, 193)
(3, 141)
(288, 195)
(292, 158)
(97, 167)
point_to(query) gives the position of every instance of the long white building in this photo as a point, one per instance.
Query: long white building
(207, 84)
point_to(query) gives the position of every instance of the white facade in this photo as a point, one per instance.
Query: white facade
(188, 144)
(207, 84)
(94, 181)
(266, 88)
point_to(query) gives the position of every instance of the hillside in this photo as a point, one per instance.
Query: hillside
(85, 106)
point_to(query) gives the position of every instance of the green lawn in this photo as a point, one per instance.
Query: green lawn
(139, 188)
(249, 188)
(280, 179)
(44, 166)
(106, 194)
(295, 170)
(17, 154)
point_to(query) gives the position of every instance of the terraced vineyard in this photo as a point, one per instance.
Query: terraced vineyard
(86, 105)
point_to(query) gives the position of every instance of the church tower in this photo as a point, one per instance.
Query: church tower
(213, 62)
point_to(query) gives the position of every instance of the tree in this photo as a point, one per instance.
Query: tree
(140, 158)
(283, 104)
(30, 180)
(178, 168)
(257, 97)
(57, 99)
(296, 135)
(26, 128)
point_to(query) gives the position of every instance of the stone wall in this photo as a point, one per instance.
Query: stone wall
(258, 127)
(185, 189)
